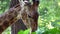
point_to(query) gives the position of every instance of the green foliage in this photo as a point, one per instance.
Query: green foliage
(49, 18)
(24, 32)
(33, 32)
(4, 5)
(27, 31)
(20, 32)
(52, 31)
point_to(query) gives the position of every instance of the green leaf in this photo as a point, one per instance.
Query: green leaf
(33, 32)
(20, 32)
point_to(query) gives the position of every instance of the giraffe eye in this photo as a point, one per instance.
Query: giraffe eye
(29, 16)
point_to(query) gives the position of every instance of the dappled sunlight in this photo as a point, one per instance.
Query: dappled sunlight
(58, 3)
(49, 26)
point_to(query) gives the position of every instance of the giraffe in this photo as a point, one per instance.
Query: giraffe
(29, 16)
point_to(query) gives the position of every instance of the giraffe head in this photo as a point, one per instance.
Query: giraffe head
(30, 14)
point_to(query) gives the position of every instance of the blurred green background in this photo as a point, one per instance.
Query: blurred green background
(49, 17)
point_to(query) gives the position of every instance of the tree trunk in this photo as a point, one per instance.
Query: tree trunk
(17, 26)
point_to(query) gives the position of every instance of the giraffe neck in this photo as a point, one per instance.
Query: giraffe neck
(9, 17)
